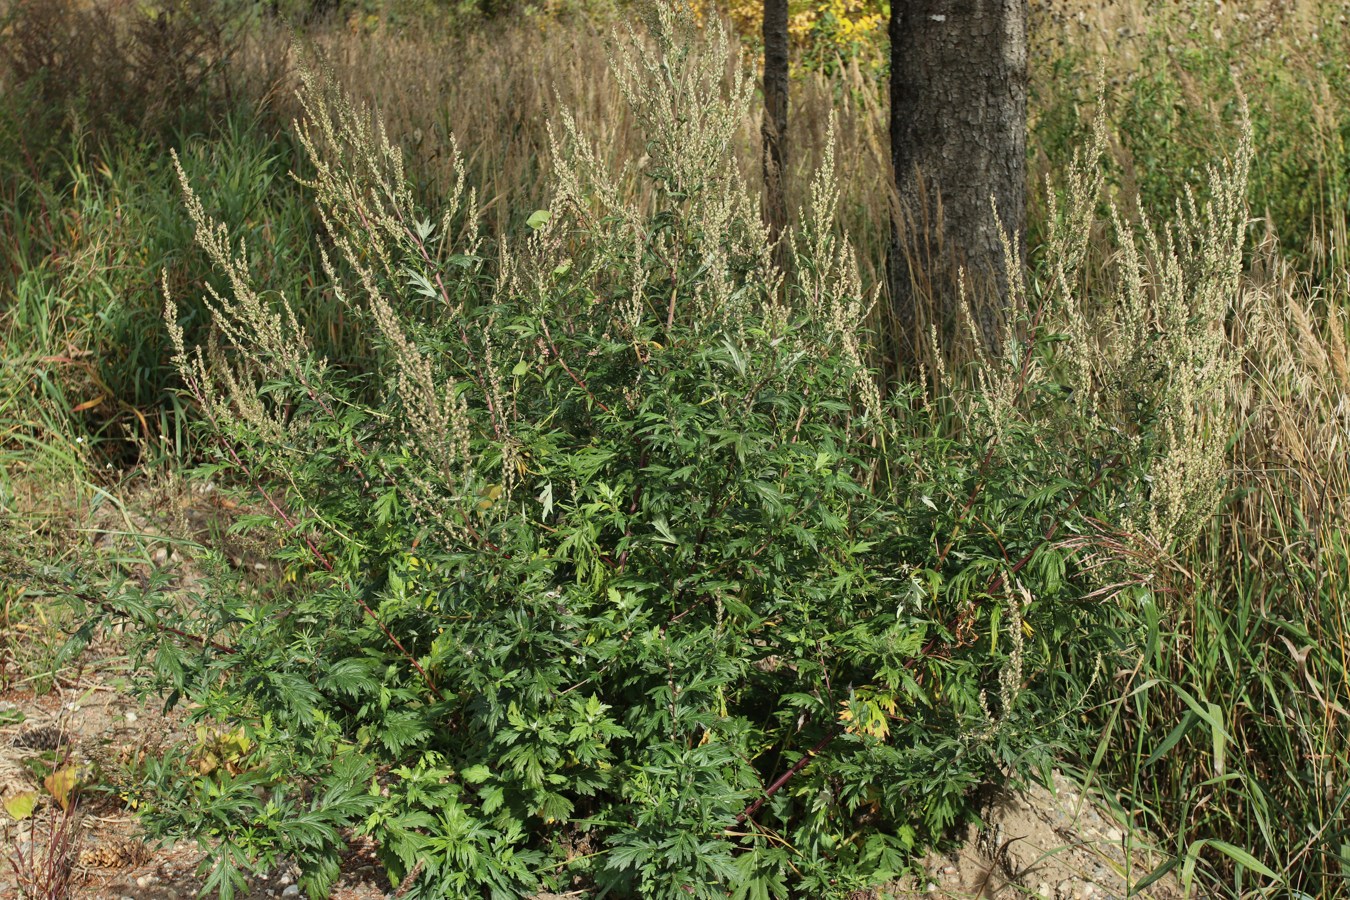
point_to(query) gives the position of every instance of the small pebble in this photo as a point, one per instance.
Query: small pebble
(292, 890)
(145, 881)
(1115, 835)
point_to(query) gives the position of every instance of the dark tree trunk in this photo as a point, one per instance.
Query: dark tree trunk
(320, 10)
(958, 139)
(775, 115)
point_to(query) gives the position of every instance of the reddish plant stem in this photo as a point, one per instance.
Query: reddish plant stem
(553, 348)
(788, 775)
(327, 565)
(493, 413)
(1022, 375)
(633, 508)
(319, 556)
(197, 639)
(426, 678)
(997, 582)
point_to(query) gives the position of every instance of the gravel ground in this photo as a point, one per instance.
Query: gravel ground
(1057, 842)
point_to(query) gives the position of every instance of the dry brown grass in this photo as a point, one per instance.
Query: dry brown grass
(494, 91)
(501, 86)
(115, 60)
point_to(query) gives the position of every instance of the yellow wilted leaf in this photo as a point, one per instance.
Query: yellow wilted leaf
(868, 715)
(207, 763)
(237, 742)
(21, 806)
(62, 785)
(874, 724)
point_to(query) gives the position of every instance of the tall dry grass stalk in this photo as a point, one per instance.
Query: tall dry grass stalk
(1283, 556)
(1258, 638)
(1295, 395)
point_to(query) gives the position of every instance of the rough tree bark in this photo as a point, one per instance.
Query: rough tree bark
(958, 139)
(774, 127)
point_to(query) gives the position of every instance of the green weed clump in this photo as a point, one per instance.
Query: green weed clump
(1177, 73)
(1227, 735)
(613, 566)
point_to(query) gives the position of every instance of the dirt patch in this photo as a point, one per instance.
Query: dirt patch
(1058, 842)
(85, 718)
(170, 874)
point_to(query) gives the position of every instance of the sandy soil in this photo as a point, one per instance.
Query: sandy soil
(1057, 842)
(103, 729)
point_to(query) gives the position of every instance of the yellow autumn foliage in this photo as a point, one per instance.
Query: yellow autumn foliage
(820, 29)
